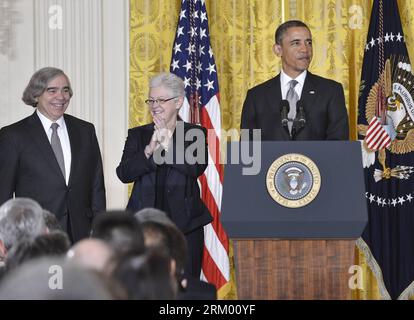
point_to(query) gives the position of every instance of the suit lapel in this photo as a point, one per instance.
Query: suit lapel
(309, 91)
(275, 95)
(75, 143)
(38, 135)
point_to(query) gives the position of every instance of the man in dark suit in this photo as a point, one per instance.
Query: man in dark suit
(52, 157)
(314, 108)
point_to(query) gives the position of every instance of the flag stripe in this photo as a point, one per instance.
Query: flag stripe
(193, 61)
(213, 138)
(211, 204)
(217, 251)
(377, 138)
(213, 181)
(373, 138)
(214, 274)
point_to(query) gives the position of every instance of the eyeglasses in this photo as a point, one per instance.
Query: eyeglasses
(151, 102)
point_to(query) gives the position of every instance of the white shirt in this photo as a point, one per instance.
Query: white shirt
(62, 132)
(284, 83)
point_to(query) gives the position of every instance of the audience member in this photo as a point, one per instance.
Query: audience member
(120, 230)
(54, 279)
(19, 218)
(146, 276)
(92, 254)
(55, 243)
(161, 234)
(51, 221)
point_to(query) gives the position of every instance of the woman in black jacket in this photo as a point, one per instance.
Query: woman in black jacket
(164, 159)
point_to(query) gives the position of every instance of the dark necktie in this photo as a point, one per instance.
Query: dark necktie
(292, 97)
(57, 148)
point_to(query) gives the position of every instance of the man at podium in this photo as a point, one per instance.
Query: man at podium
(296, 104)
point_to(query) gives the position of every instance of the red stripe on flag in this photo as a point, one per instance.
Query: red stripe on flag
(210, 202)
(377, 138)
(379, 141)
(211, 272)
(373, 128)
(373, 134)
(215, 153)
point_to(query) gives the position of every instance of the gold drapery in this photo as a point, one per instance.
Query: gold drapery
(242, 35)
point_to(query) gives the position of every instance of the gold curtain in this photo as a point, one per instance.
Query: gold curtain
(242, 35)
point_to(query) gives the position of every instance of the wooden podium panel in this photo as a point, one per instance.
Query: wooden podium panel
(293, 269)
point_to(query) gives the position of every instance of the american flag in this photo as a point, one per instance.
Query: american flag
(377, 138)
(193, 61)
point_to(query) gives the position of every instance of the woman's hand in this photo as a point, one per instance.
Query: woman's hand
(163, 133)
(152, 146)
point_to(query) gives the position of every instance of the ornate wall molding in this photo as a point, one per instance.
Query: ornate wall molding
(9, 18)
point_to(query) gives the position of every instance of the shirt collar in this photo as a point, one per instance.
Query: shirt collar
(284, 78)
(46, 122)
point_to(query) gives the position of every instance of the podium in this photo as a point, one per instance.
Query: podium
(294, 253)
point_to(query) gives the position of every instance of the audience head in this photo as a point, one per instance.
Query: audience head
(55, 243)
(153, 215)
(146, 276)
(92, 254)
(161, 233)
(53, 279)
(51, 222)
(120, 230)
(19, 218)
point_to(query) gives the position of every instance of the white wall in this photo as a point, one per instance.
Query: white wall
(88, 39)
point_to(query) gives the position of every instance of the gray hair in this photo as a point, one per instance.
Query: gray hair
(38, 84)
(169, 81)
(20, 218)
(281, 30)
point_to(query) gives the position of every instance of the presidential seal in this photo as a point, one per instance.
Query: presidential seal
(293, 180)
(394, 91)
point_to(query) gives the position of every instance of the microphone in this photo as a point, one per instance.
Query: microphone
(300, 113)
(284, 110)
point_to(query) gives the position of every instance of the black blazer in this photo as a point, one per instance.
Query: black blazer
(188, 211)
(324, 104)
(28, 168)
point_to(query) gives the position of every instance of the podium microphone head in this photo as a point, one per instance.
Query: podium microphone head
(300, 111)
(284, 111)
(284, 104)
